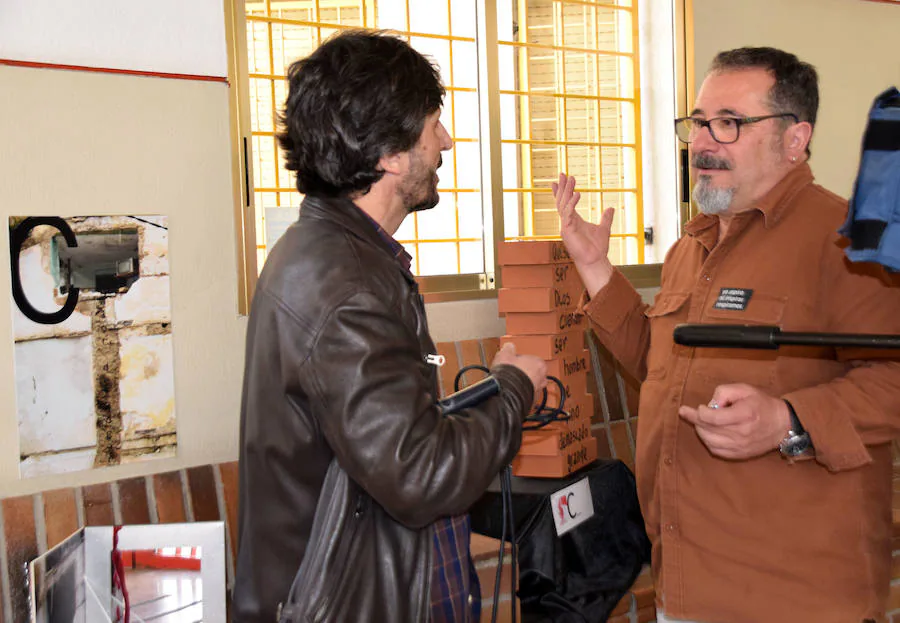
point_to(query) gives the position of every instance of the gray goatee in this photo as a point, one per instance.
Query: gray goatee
(711, 200)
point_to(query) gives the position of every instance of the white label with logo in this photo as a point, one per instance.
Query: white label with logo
(571, 506)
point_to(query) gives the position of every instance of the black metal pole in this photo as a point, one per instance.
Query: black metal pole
(770, 337)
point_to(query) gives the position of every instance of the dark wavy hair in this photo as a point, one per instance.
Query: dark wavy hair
(796, 88)
(359, 96)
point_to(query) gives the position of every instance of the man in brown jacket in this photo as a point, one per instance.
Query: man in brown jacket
(764, 476)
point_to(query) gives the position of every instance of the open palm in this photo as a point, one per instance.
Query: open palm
(587, 243)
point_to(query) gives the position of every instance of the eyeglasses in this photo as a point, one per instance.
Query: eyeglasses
(724, 130)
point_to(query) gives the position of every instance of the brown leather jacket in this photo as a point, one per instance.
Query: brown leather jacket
(336, 383)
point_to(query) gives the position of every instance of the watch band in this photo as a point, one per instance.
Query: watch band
(796, 426)
(797, 443)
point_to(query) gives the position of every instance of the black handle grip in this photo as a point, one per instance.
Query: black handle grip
(727, 336)
(470, 396)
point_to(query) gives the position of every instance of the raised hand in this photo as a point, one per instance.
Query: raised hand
(587, 243)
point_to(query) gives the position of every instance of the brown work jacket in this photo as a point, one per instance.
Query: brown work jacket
(765, 539)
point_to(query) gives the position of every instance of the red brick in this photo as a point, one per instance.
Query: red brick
(602, 437)
(202, 487)
(543, 299)
(565, 368)
(579, 407)
(646, 615)
(485, 548)
(487, 577)
(563, 345)
(544, 442)
(229, 474)
(490, 346)
(622, 618)
(169, 497)
(98, 509)
(60, 515)
(471, 355)
(574, 386)
(561, 275)
(576, 457)
(532, 252)
(621, 443)
(133, 501)
(21, 547)
(578, 412)
(451, 366)
(544, 323)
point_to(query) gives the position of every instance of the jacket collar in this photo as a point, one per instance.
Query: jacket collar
(347, 215)
(773, 205)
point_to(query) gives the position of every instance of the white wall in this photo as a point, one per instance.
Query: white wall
(852, 43)
(80, 143)
(165, 36)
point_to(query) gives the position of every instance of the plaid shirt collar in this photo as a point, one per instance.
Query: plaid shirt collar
(400, 254)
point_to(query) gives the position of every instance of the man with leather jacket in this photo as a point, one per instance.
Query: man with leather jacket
(349, 471)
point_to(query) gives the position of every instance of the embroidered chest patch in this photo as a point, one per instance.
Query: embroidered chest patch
(735, 299)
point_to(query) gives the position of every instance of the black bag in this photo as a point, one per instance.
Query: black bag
(578, 577)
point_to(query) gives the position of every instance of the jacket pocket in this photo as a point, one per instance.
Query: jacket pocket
(333, 564)
(667, 311)
(756, 367)
(338, 578)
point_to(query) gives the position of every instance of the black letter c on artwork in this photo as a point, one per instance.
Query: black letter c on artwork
(18, 236)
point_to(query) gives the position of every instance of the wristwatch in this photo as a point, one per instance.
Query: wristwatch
(797, 442)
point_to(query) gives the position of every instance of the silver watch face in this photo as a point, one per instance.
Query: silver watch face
(795, 445)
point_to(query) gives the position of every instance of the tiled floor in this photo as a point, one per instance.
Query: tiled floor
(165, 596)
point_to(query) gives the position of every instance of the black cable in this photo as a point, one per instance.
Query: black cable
(542, 417)
(506, 490)
(504, 513)
(497, 576)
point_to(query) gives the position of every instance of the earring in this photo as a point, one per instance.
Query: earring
(793, 158)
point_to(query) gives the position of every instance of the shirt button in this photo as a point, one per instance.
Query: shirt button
(470, 600)
(667, 460)
(670, 527)
(706, 277)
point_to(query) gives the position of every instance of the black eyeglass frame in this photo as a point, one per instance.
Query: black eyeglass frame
(739, 121)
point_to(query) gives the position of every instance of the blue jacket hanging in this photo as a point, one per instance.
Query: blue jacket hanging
(873, 222)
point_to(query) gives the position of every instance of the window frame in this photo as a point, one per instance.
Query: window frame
(438, 288)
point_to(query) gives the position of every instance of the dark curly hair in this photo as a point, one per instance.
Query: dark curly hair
(359, 96)
(796, 88)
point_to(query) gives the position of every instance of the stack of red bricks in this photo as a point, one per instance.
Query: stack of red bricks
(539, 297)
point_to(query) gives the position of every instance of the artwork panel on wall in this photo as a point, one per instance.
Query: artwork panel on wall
(93, 341)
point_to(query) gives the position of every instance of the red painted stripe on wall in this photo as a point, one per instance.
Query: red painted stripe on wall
(110, 70)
